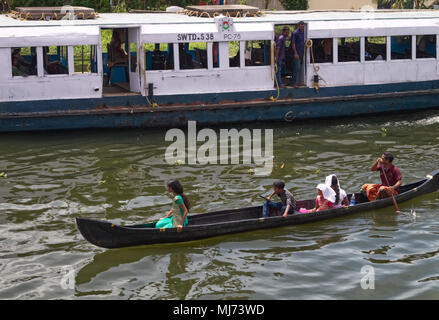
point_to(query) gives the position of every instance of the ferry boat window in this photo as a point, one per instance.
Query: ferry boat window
(401, 47)
(55, 60)
(426, 46)
(234, 59)
(376, 48)
(24, 61)
(258, 53)
(193, 55)
(85, 59)
(215, 54)
(349, 49)
(159, 56)
(323, 50)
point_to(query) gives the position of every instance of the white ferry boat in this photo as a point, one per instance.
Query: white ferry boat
(212, 65)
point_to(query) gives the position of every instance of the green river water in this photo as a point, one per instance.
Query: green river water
(119, 175)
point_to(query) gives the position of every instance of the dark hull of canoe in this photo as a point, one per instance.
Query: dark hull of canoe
(107, 235)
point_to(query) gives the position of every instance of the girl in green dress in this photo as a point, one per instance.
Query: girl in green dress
(177, 216)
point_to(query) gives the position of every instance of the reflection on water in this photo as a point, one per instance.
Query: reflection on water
(119, 175)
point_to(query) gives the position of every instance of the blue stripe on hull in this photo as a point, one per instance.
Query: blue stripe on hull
(138, 100)
(214, 116)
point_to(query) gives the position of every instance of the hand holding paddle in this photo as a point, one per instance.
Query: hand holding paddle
(391, 191)
(265, 198)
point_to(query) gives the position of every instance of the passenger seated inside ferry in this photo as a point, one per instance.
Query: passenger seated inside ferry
(349, 49)
(426, 46)
(16, 72)
(177, 216)
(186, 61)
(286, 206)
(401, 47)
(26, 63)
(323, 50)
(159, 56)
(193, 55)
(116, 51)
(55, 60)
(375, 48)
(257, 53)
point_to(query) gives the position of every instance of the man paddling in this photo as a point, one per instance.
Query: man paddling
(390, 179)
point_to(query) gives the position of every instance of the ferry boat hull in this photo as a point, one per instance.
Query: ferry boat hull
(134, 111)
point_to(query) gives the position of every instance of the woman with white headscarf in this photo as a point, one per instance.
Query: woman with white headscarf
(341, 197)
(325, 199)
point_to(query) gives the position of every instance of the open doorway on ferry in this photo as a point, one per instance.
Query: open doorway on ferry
(292, 67)
(119, 56)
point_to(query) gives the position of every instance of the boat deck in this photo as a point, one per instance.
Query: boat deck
(277, 17)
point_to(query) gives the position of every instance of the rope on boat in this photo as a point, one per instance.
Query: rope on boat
(204, 12)
(274, 68)
(309, 45)
(50, 16)
(237, 14)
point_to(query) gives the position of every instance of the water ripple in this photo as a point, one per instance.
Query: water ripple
(120, 175)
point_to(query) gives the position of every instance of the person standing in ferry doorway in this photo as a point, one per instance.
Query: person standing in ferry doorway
(298, 46)
(280, 54)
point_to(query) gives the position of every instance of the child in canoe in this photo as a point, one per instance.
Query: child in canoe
(325, 199)
(287, 204)
(177, 216)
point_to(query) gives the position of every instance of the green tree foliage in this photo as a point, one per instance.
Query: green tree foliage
(402, 4)
(294, 4)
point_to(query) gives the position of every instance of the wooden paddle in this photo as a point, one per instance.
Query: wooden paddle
(265, 198)
(393, 197)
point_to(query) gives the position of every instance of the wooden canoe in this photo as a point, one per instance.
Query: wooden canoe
(107, 235)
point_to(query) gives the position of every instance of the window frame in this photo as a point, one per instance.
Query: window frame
(348, 62)
(416, 48)
(69, 55)
(176, 57)
(192, 69)
(244, 48)
(387, 50)
(334, 53)
(28, 77)
(72, 58)
(389, 46)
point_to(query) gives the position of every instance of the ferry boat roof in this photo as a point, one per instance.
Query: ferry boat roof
(114, 20)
